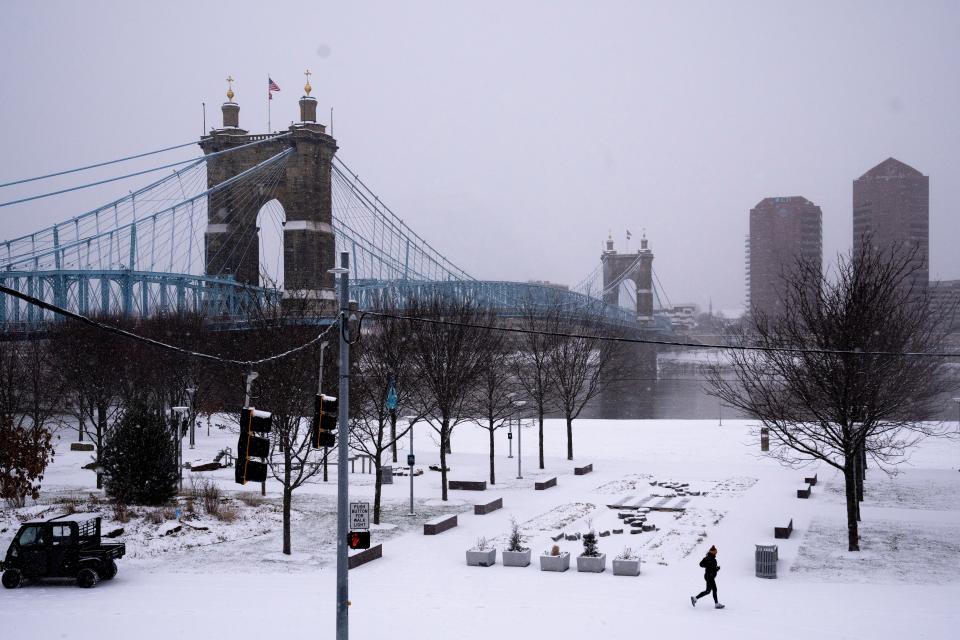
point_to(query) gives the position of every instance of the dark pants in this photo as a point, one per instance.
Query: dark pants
(711, 586)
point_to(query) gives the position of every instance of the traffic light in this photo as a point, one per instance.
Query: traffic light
(358, 540)
(324, 421)
(251, 446)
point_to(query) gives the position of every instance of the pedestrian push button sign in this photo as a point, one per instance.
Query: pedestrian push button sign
(359, 516)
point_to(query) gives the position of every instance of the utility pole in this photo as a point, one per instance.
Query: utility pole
(326, 453)
(343, 632)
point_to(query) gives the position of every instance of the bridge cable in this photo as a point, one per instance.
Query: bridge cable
(602, 338)
(94, 166)
(139, 173)
(156, 343)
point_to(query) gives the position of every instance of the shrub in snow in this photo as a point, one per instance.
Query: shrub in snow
(24, 455)
(481, 544)
(590, 549)
(554, 551)
(139, 457)
(627, 554)
(516, 538)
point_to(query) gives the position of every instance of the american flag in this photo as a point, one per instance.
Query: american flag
(271, 87)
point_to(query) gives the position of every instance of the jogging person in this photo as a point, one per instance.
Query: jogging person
(710, 569)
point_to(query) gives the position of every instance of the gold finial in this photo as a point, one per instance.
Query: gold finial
(230, 82)
(307, 86)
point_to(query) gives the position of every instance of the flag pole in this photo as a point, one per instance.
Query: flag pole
(269, 100)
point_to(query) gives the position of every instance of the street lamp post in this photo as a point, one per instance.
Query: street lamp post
(519, 405)
(190, 391)
(410, 462)
(510, 436)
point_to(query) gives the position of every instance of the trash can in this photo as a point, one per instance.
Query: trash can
(386, 474)
(766, 557)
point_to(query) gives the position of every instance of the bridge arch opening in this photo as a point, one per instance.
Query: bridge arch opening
(271, 219)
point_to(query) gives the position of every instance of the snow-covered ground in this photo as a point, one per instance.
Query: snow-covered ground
(218, 578)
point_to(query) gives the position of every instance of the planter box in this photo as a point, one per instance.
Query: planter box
(592, 564)
(486, 558)
(515, 558)
(555, 563)
(626, 567)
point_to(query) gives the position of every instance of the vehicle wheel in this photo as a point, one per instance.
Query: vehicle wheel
(87, 578)
(12, 578)
(108, 570)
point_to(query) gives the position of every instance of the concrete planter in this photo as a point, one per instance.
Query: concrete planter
(486, 558)
(555, 563)
(516, 558)
(592, 564)
(626, 567)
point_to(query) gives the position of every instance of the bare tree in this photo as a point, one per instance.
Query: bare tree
(287, 388)
(448, 351)
(824, 385)
(532, 360)
(496, 392)
(382, 355)
(581, 364)
(92, 366)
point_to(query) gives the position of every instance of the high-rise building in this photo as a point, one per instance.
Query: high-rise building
(782, 231)
(891, 206)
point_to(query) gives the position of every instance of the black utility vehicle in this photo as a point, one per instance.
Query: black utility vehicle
(62, 547)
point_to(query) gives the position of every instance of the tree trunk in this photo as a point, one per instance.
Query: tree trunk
(393, 434)
(446, 447)
(444, 435)
(493, 478)
(861, 471)
(569, 437)
(377, 487)
(853, 538)
(287, 499)
(539, 415)
(101, 430)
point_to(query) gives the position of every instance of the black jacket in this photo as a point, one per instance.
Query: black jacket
(710, 568)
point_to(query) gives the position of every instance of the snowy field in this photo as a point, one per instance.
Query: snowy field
(225, 576)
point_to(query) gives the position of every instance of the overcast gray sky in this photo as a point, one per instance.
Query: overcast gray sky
(514, 135)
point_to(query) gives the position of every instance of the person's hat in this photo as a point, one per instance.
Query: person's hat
(713, 549)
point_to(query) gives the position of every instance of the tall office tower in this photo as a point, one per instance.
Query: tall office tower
(891, 205)
(782, 230)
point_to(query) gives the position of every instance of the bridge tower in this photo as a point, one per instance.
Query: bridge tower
(303, 190)
(636, 267)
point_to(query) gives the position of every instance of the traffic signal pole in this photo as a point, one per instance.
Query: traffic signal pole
(342, 453)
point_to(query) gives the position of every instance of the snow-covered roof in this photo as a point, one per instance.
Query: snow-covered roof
(72, 517)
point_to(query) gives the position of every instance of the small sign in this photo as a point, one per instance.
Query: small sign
(411, 460)
(358, 540)
(359, 516)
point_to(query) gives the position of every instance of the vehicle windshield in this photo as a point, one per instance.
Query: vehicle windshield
(30, 536)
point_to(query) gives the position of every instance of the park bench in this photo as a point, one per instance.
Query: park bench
(584, 470)
(804, 492)
(811, 481)
(365, 556)
(439, 525)
(468, 485)
(546, 484)
(487, 507)
(783, 532)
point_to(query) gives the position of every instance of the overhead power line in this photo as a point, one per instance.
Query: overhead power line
(692, 345)
(156, 343)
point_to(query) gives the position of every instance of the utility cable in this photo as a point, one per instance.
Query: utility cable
(156, 343)
(560, 334)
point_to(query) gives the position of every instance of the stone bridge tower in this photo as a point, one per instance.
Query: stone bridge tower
(636, 267)
(303, 190)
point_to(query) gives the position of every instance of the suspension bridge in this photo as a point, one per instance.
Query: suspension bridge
(190, 242)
